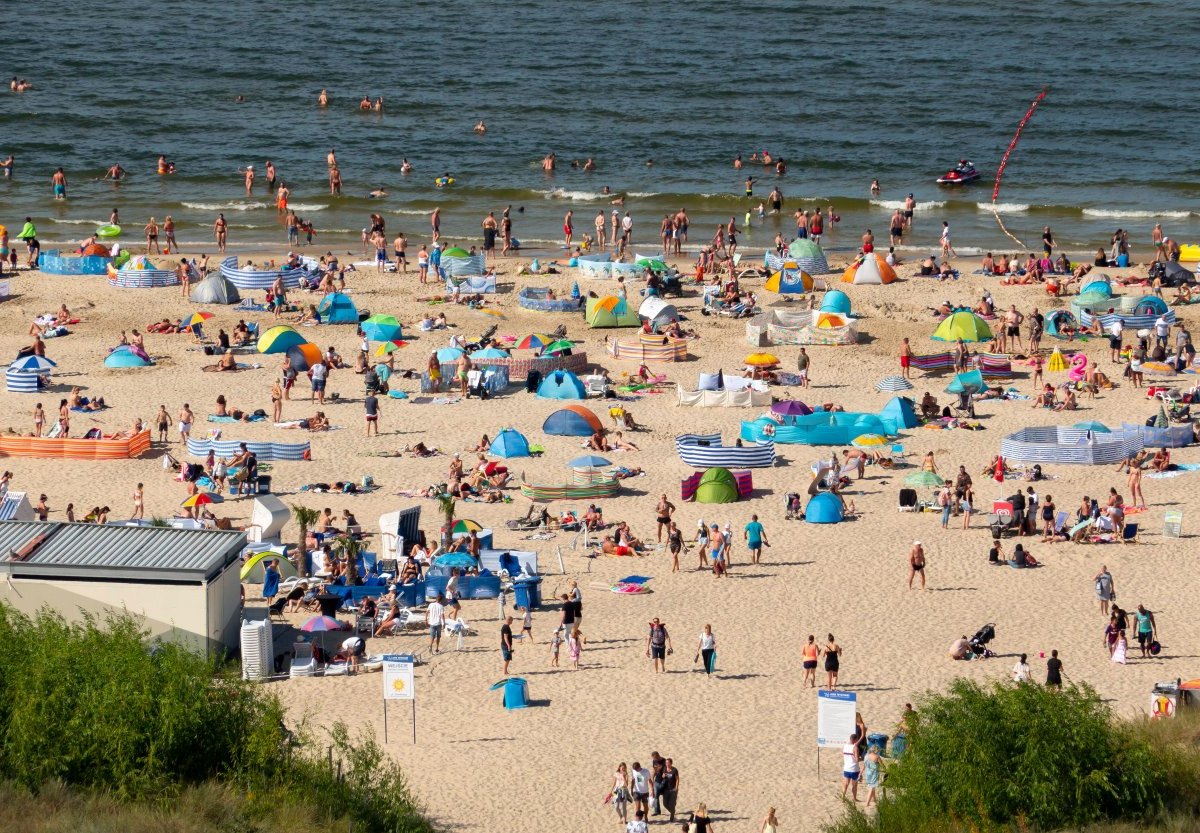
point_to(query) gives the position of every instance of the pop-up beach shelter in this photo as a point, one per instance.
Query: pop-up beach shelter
(336, 308)
(572, 421)
(510, 443)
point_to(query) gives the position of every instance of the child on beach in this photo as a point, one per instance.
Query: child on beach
(555, 644)
(139, 502)
(574, 646)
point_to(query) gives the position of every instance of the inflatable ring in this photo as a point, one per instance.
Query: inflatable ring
(443, 181)
(768, 430)
(108, 231)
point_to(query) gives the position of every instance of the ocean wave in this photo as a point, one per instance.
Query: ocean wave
(412, 212)
(1003, 207)
(641, 194)
(573, 196)
(226, 206)
(892, 205)
(301, 206)
(1118, 213)
(66, 222)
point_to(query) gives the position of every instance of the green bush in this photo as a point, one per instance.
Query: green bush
(1005, 757)
(97, 706)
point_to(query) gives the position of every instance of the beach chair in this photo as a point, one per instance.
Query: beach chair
(458, 628)
(898, 454)
(965, 406)
(908, 500)
(1129, 534)
(1060, 522)
(304, 663)
(596, 384)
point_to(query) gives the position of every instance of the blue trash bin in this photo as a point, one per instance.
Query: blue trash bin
(879, 740)
(527, 592)
(516, 692)
(899, 744)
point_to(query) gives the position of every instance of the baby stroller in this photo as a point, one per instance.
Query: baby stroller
(793, 509)
(980, 640)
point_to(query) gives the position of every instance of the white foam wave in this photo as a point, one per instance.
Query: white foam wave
(574, 196)
(1003, 207)
(1117, 213)
(302, 206)
(641, 194)
(892, 205)
(415, 212)
(67, 222)
(226, 206)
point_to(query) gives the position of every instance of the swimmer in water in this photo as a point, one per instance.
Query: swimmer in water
(649, 162)
(115, 172)
(480, 127)
(406, 166)
(378, 192)
(59, 182)
(241, 99)
(323, 98)
(378, 106)
(365, 104)
(549, 162)
(737, 162)
(874, 187)
(589, 165)
(605, 191)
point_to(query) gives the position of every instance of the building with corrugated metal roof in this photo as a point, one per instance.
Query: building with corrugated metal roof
(182, 582)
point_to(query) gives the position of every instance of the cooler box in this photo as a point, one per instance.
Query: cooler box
(527, 592)
(516, 692)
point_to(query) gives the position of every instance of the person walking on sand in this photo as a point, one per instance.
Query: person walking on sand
(371, 406)
(435, 618)
(706, 648)
(658, 645)
(674, 544)
(756, 539)
(1136, 498)
(639, 779)
(851, 765)
(1147, 630)
(270, 588)
(139, 503)
(663, 512)
(575, 646)
(506, 642)
(702, 544)
(1054, 669)
(618, 794)
(186, 418)
(809, 654)
(164, 423)
(1105, 592)
(871, 765)
(916, 564)
(833, 662)
(568, 228)
(770, 824)
(906, 355)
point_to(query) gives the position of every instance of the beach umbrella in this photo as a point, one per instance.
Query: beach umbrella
(791, 407)
(655, 263)
(279, 338)
(557, 347)
(761, 360)
(456, 251)
(924, 478)
(588, 461)
(535, 341)
(389, 347)
(32, 364)
(449, 354)
(490, 353)
(197, 318)
(869, 441)
(461, 560)
(1158, 367)
(203, 499)
(1093, 426)
(1160, 421)
(321, 624)
(963, 325)
(466, 525)
(382, 328)
(998, 474)
(893, 384)
(1093, 298)
(303, 356)
(491, 312)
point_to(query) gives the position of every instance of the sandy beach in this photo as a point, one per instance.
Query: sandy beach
(744, 738)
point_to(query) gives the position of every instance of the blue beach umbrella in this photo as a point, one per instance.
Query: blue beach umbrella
(449, 354)
(589, 461)
(32, 364)
(455, 559)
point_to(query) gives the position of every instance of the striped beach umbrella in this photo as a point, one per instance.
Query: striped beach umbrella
(924, 478)
(869, 441)
(893, 384)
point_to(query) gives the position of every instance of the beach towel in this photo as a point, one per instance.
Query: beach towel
(251, 418)
(216, 368)
(1176, 471)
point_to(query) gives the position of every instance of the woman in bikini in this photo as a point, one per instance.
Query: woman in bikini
(833, 653)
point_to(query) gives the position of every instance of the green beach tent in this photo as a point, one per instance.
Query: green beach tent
(717, 485)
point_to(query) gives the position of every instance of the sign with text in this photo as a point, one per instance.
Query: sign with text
(398, 677)
(836, 711)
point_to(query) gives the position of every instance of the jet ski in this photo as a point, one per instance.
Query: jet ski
(961, 174)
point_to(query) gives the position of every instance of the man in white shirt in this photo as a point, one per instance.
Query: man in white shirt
(627, 228)
(435, 617)
(1162, 330)
(638, 825)
(1114, 340)
(317, 373)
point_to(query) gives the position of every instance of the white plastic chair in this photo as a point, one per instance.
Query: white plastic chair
(304, 664)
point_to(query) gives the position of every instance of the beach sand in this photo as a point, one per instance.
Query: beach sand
(744, 739)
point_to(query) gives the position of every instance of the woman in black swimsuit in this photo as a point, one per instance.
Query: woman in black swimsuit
(832, 664)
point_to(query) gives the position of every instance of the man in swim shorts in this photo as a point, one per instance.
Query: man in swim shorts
(59, 180)
(186, 418)
(775, 198)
